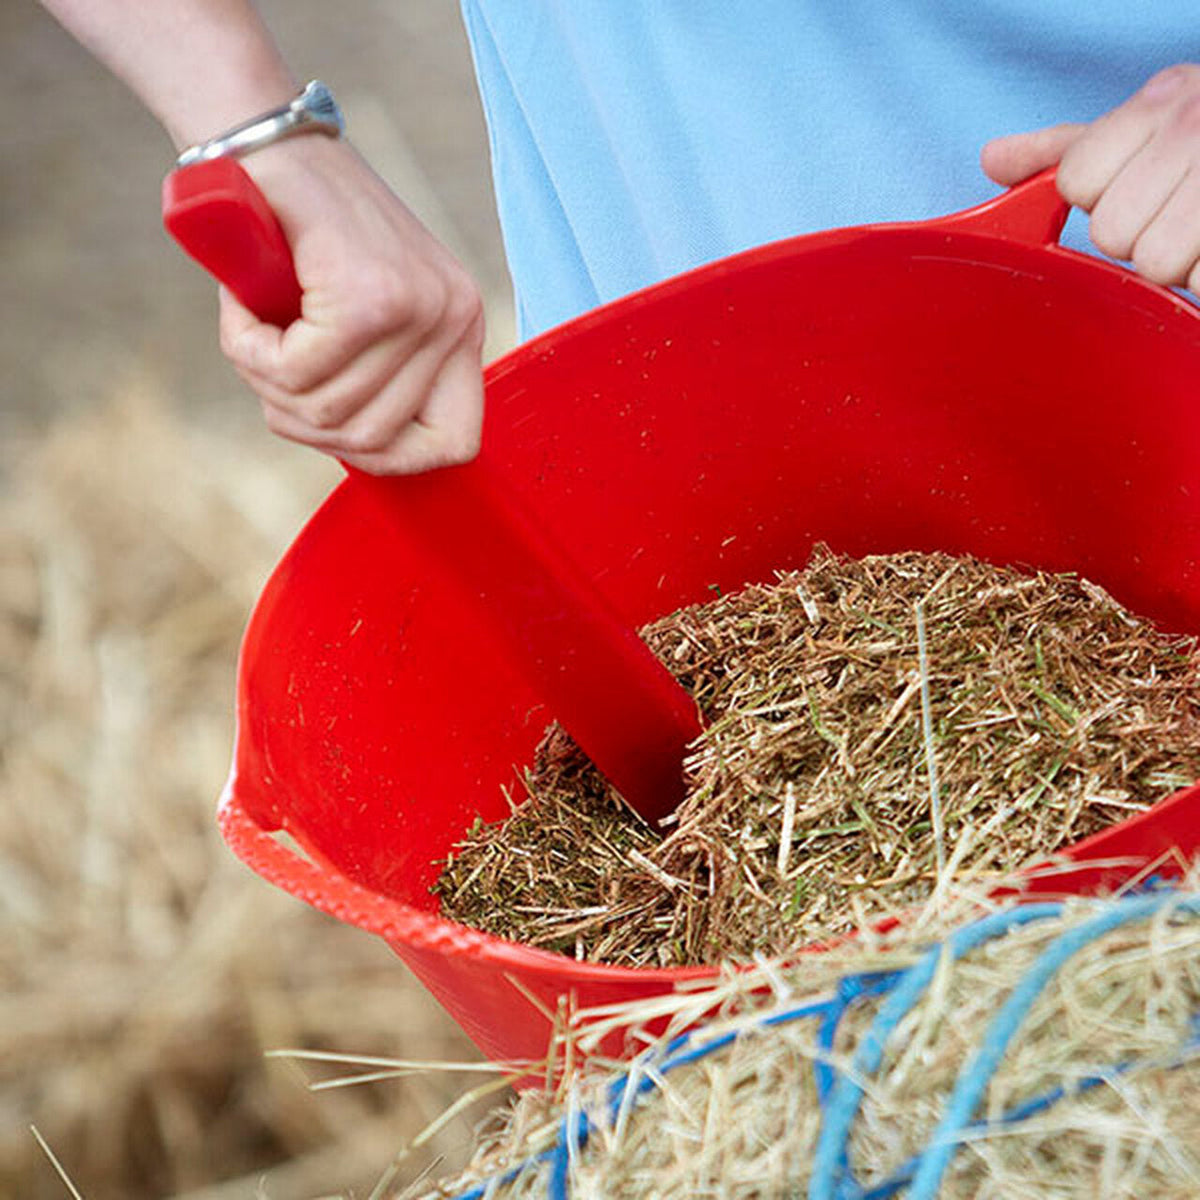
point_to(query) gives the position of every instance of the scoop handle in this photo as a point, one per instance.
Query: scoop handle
(601, 682)
(216, 213)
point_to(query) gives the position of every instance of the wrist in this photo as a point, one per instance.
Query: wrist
(199, 66)
(197, 119)
(247, 76)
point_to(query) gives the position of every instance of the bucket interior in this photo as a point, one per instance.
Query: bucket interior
(878, 390)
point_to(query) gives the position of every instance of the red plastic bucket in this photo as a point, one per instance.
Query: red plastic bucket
(963, 385)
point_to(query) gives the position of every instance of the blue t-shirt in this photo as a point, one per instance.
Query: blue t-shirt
(633, 139)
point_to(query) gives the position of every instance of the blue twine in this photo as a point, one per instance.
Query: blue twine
(975, 1075)
(678, 1052)
(840, 1094)
(850, 988)
(903, 1174)
(572, 1137)
(479, 1191)
(830, 1160)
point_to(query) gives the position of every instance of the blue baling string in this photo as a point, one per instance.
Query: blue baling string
(678, 1052)
(572, 1137)
(850, 988)
(841, 1095)
(973, 1079)
(903, 1175)
(829, 1162)
(479, 1191)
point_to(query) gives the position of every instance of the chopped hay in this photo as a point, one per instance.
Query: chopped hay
(1052, 713)
(1092, 1095)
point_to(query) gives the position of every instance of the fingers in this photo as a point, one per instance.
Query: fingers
(1113, 141)
(396, 408)
(1008, 160)
(1136, 170)
(383, 368)
(447, 430)
(1126, 210)
(1167, 251)
(323, 402)
(359, 420)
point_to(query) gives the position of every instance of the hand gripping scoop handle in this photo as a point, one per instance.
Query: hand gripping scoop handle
(597, 677)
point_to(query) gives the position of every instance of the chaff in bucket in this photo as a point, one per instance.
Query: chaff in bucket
(1040, 711)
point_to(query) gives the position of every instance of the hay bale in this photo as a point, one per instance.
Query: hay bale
(143, 971)
(867, 721)
(1067, 1035)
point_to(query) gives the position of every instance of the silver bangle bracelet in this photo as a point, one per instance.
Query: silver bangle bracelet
(313, 111)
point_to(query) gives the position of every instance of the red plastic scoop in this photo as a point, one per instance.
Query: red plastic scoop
(596, 675)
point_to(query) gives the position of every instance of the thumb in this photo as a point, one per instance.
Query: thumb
(1008, 160)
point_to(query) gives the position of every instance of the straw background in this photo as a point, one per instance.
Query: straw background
(143, 972)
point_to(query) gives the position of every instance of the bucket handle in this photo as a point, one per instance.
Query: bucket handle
(404, 928)
(334, 894)
(1031, 212)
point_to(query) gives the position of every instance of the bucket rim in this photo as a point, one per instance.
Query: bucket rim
(1157, 842)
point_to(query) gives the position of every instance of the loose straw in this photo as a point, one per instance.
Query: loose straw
(935, 800)
(839, 1092)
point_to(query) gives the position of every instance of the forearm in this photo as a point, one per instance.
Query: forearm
(200, 66)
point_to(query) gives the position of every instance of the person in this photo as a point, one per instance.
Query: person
(632, 142)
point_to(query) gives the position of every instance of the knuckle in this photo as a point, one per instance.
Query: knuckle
(476, 333)
(1155, 261)
(364, 322)
(368, 439)
(465, 445)
(388, 301)
(455, 445)
(381, 302)
(1168, 83)
(1186, 117)
(1108, 232)
(326, 414)
(1074, 182)
(464, 307)
(289, 371)
(246, 352)
(432, 305)
(295, 375)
